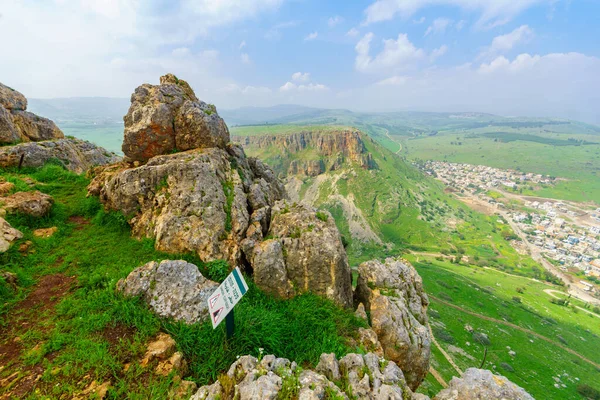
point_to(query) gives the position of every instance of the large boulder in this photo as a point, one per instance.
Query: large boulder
(36, 203)
(200, 201)
(476, 384)
(392, 293)
(365, 376)
(8, 234)
(19, 125)
(169, 117)
(303, 253)
(173, 289)
(76, 155)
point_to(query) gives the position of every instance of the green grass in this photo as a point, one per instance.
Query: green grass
(73, 350)
(490, 293)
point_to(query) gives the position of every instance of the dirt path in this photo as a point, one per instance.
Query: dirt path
(387, 133)
(446, 355)
(34, 313)
(438, 377)
(529, 331)
(551, 291)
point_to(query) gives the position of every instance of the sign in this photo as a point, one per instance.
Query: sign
(222, 301)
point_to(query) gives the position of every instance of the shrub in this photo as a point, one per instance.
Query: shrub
(588, 392)
(322, 216)
(562, 339)
(516, 299)
(443, 335)
(507, 367)
(445, 296)
(481, 338)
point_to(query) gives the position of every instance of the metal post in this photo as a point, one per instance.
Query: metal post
(230, 324)
(21, 161)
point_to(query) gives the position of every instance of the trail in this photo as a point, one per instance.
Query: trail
(446, 355)
(387, 133)
(438, 377)
(529, 331)
(550, 292)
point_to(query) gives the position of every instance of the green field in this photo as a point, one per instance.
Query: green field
(494, 294)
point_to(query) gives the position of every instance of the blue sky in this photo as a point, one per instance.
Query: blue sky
(511, 57)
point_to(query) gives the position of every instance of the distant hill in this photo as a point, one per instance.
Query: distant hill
(96, 109)
(263, 115)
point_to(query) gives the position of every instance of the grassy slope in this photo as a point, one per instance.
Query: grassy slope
(488, 292)
(72, 347)
(406, 209)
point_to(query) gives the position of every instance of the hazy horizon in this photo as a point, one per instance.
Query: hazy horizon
(528, 57)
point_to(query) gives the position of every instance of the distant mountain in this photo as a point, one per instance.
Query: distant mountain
(262, 115)
(73, 109)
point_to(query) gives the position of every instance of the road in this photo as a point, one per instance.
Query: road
(387, 133)
(551, 293)
(574, 288)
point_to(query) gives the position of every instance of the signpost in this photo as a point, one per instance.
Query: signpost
(222, 301)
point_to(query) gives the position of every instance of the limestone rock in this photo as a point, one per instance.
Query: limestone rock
(8, 234)
(368, 377)
(9, 278)
(312, 257)
(360, 312)
(36, 204)
(74, 154)
(482, 384)
(183, 391)
(169, 117)
(175, 363)
(393, 294)
(45, 232)
(160, 349)
(10, 99)
(200, 201)
(173, 289)
(19, 125)
(368, 339)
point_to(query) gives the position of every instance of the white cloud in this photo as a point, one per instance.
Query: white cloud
(492, 12)
(245, 58)
(274, 33)
(246, 90)
(436, 53)
(439, 25)
(396, 54)
(301, 77)
(242, 45)
(419, 21)
(335, 20)
(311, 87)
(504, 43)
(460, 25)
(352, 32)
(311, 36)
(393, 81)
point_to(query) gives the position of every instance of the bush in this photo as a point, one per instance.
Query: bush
(445, 296)
(516, 299)
(443, 335)
(562, 339)
(322, 216)
(507, 367)
(588, 392)
(481, 338)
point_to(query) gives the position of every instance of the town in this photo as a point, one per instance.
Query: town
(566, 234)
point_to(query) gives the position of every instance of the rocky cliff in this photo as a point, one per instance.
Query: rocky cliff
(331, 148)
(19, 125)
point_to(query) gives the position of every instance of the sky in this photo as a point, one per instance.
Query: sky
(508, 57)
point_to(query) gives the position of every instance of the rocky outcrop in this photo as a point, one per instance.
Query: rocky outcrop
(36, 204)
(19, 125)
(303, 253)
(169, 117)
(478, 384)
(74, 154)
(200, 201)
(172, 289)
(8, 234)
(361, 376)
(332, 146)
(393, 295)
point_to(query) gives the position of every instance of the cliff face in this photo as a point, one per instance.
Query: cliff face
(332, 149)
